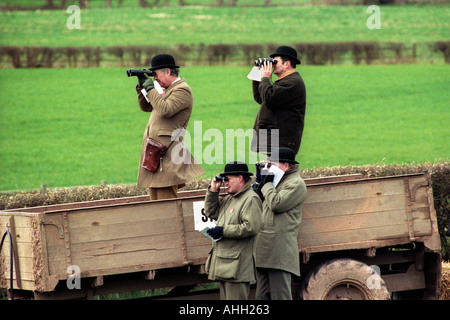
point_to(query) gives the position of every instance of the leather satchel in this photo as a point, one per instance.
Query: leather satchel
(154, 151)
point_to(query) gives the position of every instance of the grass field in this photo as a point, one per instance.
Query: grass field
(68, 127)
(173, 25)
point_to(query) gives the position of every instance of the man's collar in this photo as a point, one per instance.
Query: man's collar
(244, 188)
(284, 75)
(175, 81)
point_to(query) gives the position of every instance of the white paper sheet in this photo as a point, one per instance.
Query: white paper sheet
(157, 87)
(255, 74)
(201, 222)
(278, 173)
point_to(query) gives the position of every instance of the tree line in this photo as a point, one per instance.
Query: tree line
(62, 4)
(58, 4)
(356, 52)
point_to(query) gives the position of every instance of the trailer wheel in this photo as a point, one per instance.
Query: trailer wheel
(344, 279)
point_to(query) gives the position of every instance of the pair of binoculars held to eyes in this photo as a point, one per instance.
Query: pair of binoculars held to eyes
(222, 179)
(259, 62)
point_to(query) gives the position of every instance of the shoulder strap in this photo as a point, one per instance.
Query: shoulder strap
(184, 127)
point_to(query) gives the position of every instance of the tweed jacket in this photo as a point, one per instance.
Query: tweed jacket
(283, 105)
(232, 258)
(277, 241)
(170, 112)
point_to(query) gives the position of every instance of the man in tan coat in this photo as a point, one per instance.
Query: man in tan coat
(170, 113)
(277, 256)
(231, 260)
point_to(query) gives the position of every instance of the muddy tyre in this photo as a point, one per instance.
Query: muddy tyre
(344, 279)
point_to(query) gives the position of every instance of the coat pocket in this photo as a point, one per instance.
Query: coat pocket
(267, 218)
(208, 261)
(266, 239)
(227, 263)
(164, 132)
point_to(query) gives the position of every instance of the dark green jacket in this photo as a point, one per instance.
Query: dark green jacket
(283, 106)
(232, 258)
(277, 241)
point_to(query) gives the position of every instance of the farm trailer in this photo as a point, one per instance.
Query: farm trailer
(353, 229)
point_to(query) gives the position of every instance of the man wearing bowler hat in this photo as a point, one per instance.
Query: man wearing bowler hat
(282, 103)
(277, 256)
(170, 114)
(238, 214)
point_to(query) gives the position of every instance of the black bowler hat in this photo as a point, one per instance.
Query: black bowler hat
(236, 168)
(284, 155)
(163, 61)
(287, 52)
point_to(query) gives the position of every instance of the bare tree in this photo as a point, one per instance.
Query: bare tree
(49, 4)
(221, 3)
(109, 3)
(84, 3)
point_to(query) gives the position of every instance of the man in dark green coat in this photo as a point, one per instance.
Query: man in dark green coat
(238, 215)
(283, 103)
(277, 255)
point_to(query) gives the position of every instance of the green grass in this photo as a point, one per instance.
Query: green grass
(196, 24)
(388, 114)
(69, 127)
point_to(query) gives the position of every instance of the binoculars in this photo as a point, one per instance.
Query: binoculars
(260, 61)
(223, 179)
(140, 72)
(261, 165)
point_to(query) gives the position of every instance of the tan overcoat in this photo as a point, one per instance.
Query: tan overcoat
(233, 257)
(277, 241)
(170, 112)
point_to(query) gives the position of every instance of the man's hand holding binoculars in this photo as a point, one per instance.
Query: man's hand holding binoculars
(266, 69)
(216, 182)
(143, 76)
(263, 175)
(266, 177)
(266, 64)
(146, 82)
